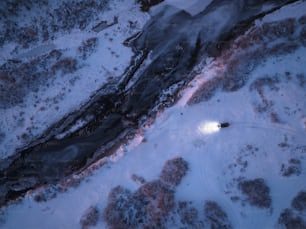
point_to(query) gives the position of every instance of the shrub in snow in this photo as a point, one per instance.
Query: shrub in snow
(188, 215)
(87, 47)
(89, 218)
(174, 170)
(275, 30)
(216, 216)
(257, 191)
(159, 194)
(294, 167)
(149, 206)
(138, 179)
(146, 4)
(66, 65)
(299, 202)
(303, 36)
(120, 211)
(206, 91)
(289, 220)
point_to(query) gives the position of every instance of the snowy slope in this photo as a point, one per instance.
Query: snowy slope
(79, 60)
(263, 99)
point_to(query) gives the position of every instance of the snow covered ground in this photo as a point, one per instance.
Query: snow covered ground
(253, 170)
(82, 60)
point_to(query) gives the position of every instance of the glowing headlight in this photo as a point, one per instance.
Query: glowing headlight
(209, 127)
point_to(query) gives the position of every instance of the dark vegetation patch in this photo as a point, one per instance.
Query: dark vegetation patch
(150, 205)
(65, 65)
(88, 47)
(206, 91)
(147, 4)
(260, 85)
(174, 170)
(303, 36)
(290, 220)
(90, 217)
(293, 167)
(188, 215)
(275, 30)
(217, 217)
(68, 15)
(302, 20)
(238, 68)
(294, 217)
(153, 205)
(18, 78)
(257, 192)
(299, 202)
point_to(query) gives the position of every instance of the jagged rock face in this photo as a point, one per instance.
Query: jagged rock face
(176, 42)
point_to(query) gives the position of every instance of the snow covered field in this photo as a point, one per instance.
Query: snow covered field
(248, 175)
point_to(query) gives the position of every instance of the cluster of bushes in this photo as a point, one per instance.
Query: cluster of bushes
(257, 192)
(153, 204)
(294, 167)
(294, 217)
(68, 15)
(150, 205)
(18, 78)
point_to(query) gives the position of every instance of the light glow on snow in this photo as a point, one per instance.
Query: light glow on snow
(209, 127)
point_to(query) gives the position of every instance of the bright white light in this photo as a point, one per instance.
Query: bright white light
(209, 127)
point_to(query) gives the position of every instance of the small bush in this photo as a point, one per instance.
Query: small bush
(302, 36)
(150, 206)
(65, 65)
(275, 30)
(120, 211)
(299, 202)
(89, 218)
(188, 214)
(174, 170)
(294, 167)
(147, 4)
(290, 221)
(257, 191)
(87, 47)
(217, 217)
(302, 20)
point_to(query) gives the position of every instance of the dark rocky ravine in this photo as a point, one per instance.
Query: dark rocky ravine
(177, 42)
